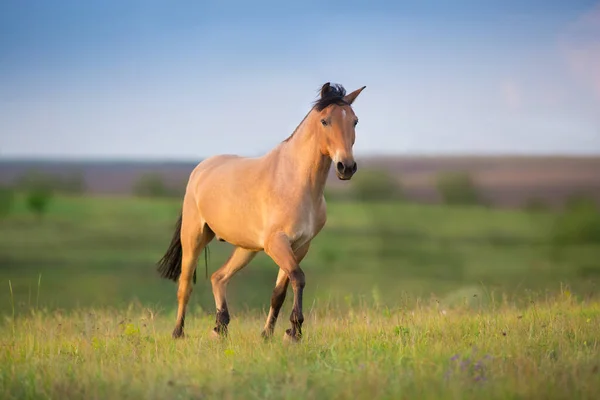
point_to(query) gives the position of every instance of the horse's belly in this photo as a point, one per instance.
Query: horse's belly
(234, 227)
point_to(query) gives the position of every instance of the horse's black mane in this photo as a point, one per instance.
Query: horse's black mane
(330, 94)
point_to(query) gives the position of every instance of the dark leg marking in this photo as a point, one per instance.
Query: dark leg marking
(296, 317)
(222, 321)
(178, 331)
(277, 299)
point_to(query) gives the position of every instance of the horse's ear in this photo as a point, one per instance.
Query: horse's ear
(325, 89)
(349, 98)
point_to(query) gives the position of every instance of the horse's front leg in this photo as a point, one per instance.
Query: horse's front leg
(279, 249)
(279, 293)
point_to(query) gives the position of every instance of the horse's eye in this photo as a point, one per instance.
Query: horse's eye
(324, 122)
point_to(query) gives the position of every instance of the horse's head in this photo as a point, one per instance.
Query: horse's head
(336, 124)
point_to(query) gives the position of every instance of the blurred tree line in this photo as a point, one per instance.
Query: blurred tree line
(577, 222)
(458, 188)
(38, 189)
(454, 188)
(154, 185)
(72, 183)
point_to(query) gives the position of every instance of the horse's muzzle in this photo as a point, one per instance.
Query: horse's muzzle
(344, 171)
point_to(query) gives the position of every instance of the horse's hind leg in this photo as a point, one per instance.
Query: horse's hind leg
(194, 238)
(219, 279)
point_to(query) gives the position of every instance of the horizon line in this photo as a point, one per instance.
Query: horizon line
(373, 155)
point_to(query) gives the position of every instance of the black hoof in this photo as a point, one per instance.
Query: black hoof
(291, 337)
(178, 333)
(218, 334)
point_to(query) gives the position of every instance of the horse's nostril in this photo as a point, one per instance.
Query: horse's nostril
(340, 167)
(354, 168)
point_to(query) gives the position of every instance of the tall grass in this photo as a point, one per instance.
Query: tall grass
(547, 350)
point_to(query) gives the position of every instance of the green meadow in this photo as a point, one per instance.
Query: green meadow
(401, 301)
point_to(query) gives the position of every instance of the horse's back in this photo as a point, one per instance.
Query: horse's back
(216, 161)
(219, 167)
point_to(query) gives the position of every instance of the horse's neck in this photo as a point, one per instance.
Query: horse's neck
(309, 166)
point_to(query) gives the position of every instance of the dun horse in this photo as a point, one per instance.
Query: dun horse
(273, 203)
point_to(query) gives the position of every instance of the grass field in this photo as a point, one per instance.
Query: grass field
(549, 350)
(402, 301)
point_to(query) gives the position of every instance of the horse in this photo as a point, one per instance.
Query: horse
(273, 203)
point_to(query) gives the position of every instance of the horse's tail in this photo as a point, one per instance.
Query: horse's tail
(169, 266)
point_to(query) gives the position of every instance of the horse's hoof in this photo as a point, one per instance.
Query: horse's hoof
(288, 337)
(216, 336)
(266, 335)
(178, 334)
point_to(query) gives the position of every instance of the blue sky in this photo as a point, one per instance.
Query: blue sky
(183, 80)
